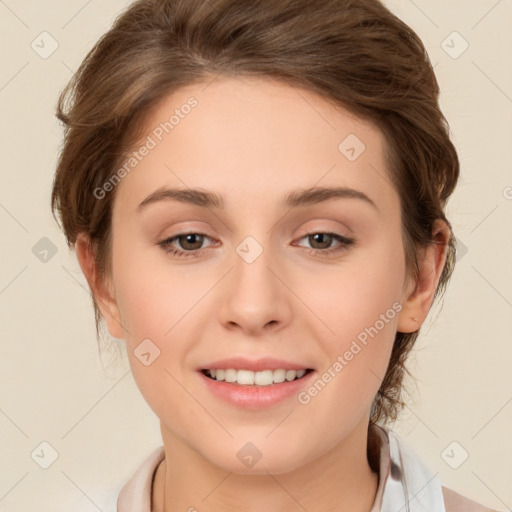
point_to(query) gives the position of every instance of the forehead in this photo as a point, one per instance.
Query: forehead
(253, 139)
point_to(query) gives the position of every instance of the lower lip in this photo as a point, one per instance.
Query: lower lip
(256, 397)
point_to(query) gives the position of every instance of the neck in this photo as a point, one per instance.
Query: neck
(339, 480)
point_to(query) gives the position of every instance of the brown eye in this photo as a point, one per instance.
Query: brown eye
(191, 241)
(321, 240)
(185, 244)
(325, 244)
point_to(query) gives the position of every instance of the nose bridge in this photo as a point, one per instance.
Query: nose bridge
(254, 296)
(253, 282)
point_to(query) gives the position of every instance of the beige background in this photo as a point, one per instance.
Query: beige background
(56, 389)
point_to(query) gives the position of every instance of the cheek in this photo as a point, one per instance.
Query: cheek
(158, 305)
(358, 305)
(153, 295)
(358, 357)
(351, 298)
(344, 303)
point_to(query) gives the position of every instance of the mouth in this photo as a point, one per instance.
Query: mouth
(262, 378)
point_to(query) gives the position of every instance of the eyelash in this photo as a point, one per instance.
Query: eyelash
(344, 244)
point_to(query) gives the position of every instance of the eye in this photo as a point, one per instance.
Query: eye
(324, 243)
(191, 242)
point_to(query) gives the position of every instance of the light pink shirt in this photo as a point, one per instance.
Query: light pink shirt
(405, 483)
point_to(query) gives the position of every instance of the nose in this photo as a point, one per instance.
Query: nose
(254, 297)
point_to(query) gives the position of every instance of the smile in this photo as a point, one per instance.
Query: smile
(259, 378)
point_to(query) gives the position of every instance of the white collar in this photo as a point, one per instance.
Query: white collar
(409, 485)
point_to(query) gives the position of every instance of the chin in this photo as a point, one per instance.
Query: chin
(248, 459)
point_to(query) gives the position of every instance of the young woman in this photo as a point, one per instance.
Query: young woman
(256, 192)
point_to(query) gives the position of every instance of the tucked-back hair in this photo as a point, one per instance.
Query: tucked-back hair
(353, 53)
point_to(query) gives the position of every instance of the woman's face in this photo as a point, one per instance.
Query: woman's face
(272, 275)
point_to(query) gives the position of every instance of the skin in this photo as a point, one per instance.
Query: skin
(253, 141)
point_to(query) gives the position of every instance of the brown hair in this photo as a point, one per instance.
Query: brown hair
(354, 53)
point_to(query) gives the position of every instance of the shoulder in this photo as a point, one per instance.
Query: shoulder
(418, 481)
(455, 502)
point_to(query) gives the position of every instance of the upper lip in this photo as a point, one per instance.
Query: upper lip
(255, 365)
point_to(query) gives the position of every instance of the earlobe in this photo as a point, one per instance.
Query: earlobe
(431, 260)
(100, 287)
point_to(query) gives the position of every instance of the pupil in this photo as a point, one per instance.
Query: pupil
(321, 235)
(189, 239)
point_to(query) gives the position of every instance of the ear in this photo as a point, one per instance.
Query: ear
(100, 286)
(420, 294)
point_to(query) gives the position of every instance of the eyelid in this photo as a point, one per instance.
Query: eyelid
(343, 244)
(308, 232)
(316, 230)
(168, 240)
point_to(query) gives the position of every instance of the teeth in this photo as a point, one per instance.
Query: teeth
(244, 377)
(279, 376)
(230, 375)
(262, 378)
(291, 374)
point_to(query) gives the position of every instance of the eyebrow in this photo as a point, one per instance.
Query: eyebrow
(294, 199)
